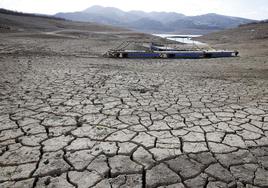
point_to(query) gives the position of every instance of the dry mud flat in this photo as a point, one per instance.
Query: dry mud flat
(67, 120)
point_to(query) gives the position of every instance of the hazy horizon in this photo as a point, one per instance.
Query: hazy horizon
(257, 9)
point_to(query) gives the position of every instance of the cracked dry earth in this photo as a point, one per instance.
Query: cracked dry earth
(94, 122)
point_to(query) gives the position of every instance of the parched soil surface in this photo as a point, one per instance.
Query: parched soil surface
(70, 118)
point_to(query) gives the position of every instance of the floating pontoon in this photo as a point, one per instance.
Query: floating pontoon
(162, 51)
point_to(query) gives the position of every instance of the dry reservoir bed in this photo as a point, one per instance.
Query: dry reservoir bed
(68, 121)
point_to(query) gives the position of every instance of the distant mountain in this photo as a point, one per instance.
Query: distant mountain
(156, 22)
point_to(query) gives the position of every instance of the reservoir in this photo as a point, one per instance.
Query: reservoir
(186, 39)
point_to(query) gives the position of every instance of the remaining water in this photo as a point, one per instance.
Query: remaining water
(186, 39)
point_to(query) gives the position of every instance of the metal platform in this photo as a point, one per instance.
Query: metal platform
(161, 51)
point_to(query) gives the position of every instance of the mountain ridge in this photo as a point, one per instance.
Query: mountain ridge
(156, 22)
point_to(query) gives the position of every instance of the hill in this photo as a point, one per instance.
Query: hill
(156, 22)
(248, 38)
(17, 21)
(30, 34)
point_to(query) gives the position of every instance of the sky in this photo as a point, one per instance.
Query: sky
(253, 9)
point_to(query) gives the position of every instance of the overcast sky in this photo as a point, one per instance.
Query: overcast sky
(255, 9)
